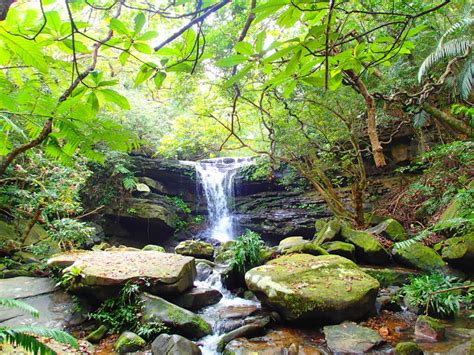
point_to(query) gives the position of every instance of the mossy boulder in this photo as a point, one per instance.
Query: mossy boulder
(224, 253)
(350, 338)
(391, 229)
(368, 249)
(408, 348)
(321, 289)
(329, 232)
(290, 240)
(178, 319)
(429, 328)
(459, 251)
(420, 257)
(195, 248)
(153, 247)
(96, 335)
(345, 250)
(128, 342)
(390, 276)
(301, 246)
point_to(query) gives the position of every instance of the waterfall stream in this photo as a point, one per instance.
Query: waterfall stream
(217, 179)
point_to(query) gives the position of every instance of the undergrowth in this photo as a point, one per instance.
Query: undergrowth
(246, 252)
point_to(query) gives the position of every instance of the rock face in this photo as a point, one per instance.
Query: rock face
(345, 250)
(166, 344)
(195, 248)
(197, 298)
(103, 273)
(390, 228)
(176, 318)
(328, 232)
(420, 257)
(55, 306)
(323, 289)
(349, 337)
(429, 328)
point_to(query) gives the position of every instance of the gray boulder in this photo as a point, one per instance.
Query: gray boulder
(175, 344)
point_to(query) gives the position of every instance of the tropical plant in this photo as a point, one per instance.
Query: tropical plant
(459, 46)
(442, 295)
(246, 252)
(26, 336)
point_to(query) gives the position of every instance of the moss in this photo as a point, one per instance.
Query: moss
(196, 248)
(394, 230)
(328, 232)
(430, 327)
(129, 342)
(389, 277)
(420, 256)
(408, 348)
(367, 247)
(346, 250)
(96, 335)
(306, 248)
(459, 250)
(153, 247)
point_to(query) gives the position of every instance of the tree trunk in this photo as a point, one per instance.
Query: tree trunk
(377, 150)
(448, 120)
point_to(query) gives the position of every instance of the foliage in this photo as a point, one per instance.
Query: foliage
(423, 291)
(122, 313)
(246, 252)
(179, 203)
(69, 277)
(67, 231)
(26, 336)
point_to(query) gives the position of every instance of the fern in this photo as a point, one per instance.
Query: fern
(457, 26)
(407, 243)
(420, 119)
(22, 306)
(466, 78)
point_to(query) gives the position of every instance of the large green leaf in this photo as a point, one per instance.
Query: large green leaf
(27, 51)
(139, 22)
(114, 97)
(232, 60)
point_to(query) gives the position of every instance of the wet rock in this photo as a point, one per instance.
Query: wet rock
(429, 328)
(198, 298)
(176, 318)
(96, 335)
(55, 306)
(345, 250)
(103, 273)
(152, 247)
(279, 341)
(166, 344)
(323, 289)
(329, 232)
(459, 251)
(195, 248)
(420, 257)
(154, 185)
(203, 271)
(395, 276)
(247, 330)
(391, 229)
(128, 342)
(349, 337)
(368, 249)
(237, 312)
(408, 348)
(224, 252)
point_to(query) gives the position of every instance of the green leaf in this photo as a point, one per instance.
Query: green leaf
(232, 60)
(244, 48)
(238, 76)
(260, 41)
(123, 57)
(144, 73)
(142, 47)
(114, 97)
(53, 21)
(139, 22)
(147, 36)
(180, 68)
(78, 46)
(28, 51)
(119, 27)
(93, 101)
(159, 78)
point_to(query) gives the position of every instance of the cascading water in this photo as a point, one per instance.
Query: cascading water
(217, 179)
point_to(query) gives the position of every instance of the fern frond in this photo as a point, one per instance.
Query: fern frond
(407, 243)
(22, 306)
(453, 48)
(466, 78)
(458, 25)
(26, 341)
(420, 119)
(55, 334)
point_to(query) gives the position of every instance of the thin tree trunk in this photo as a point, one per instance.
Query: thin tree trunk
(377, 150)
(448, 120)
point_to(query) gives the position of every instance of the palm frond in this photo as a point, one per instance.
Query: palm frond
(455, 27)
(26, 341)
(453, 48)
(55, 334)
(22, 306)
(466, 78)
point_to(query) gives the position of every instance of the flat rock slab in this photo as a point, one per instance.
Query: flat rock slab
(55, 306)
(104, 272)
(348, 337)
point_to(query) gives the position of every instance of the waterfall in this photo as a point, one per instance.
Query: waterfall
(216, 177)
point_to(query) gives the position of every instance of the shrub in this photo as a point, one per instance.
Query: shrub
(246, 252)
(425, 291)
(68, 231)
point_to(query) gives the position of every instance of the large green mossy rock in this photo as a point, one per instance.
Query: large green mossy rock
(322, 289)
(179, 320)
(420, 257)
(393, 276)
(408, 348)
(459, 252)
(302, 246)
(345, 250)
(391, 229)
(128, 342)
(103, 273)
(368, 249)
(329, 232)
(350, 338)
(195, 248)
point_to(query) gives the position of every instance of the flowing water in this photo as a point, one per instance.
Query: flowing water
(217, 179)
